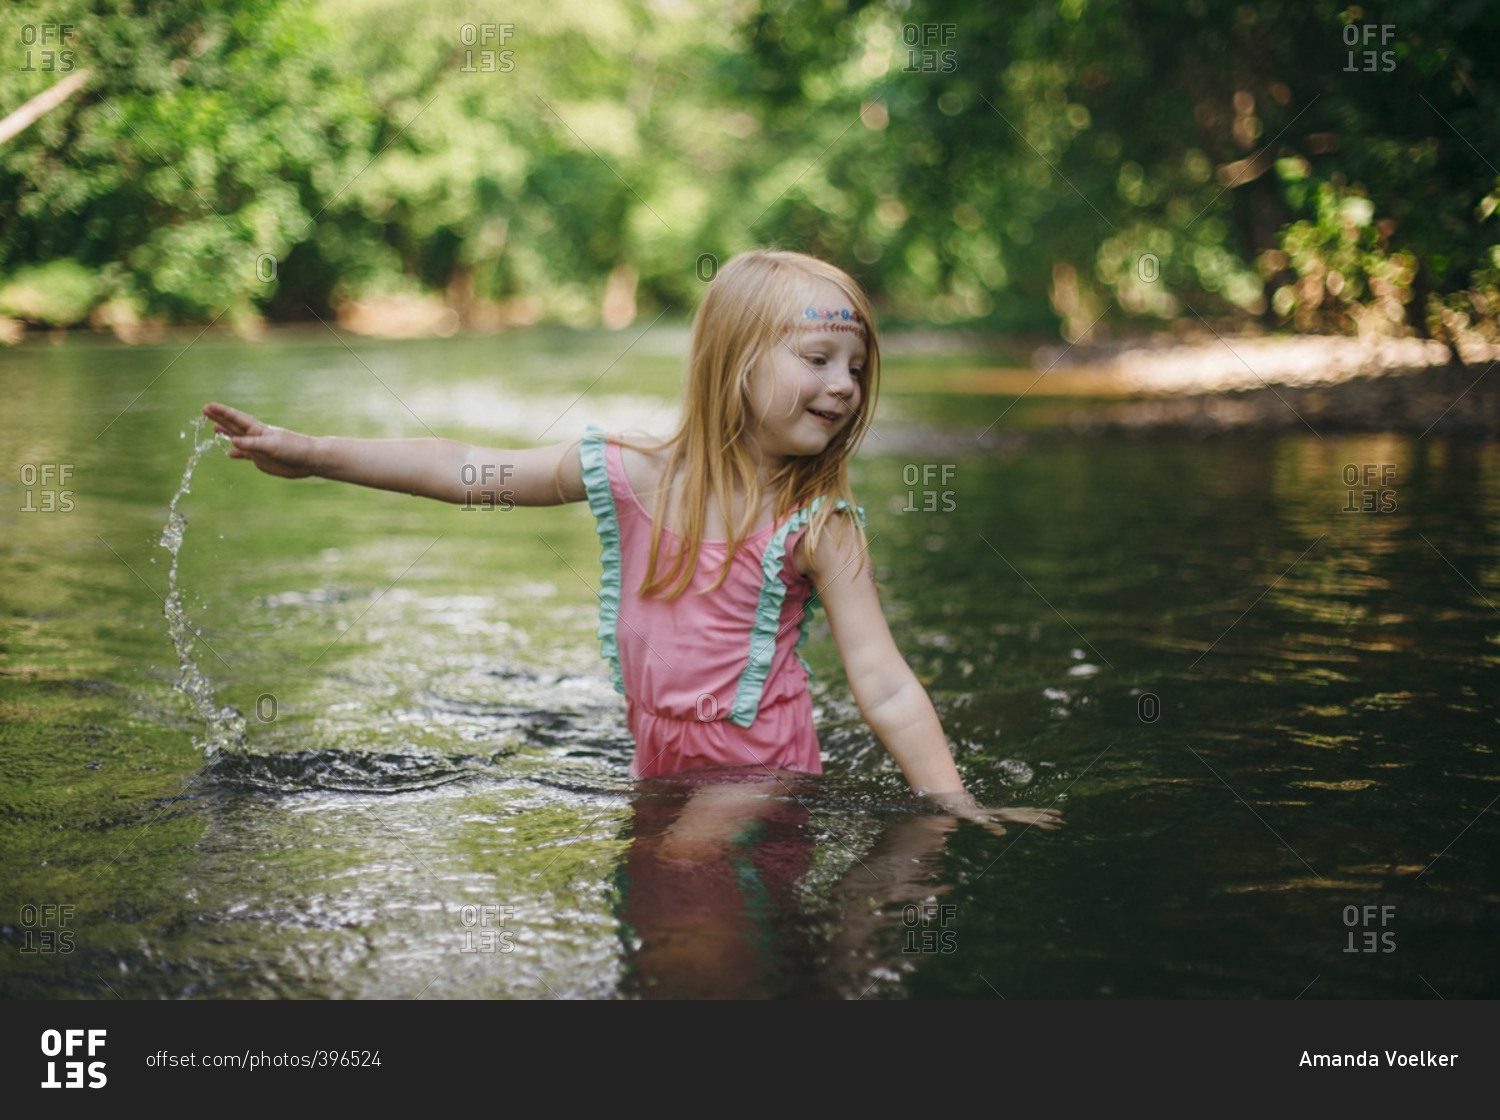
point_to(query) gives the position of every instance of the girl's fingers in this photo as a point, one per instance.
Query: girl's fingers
(232, 419)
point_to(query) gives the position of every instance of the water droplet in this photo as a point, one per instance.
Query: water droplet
(1016, 771)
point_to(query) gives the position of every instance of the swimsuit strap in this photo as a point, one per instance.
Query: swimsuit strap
(602, 503)
(764, 633)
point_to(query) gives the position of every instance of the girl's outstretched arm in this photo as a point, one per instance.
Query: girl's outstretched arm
(889, 696)
(444, 469)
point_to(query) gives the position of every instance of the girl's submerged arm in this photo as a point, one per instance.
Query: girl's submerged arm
(444, 469)
(890, 697)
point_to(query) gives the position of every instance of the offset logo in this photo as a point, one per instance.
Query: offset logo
(67, 1044)
(917, 921)
(44, 928)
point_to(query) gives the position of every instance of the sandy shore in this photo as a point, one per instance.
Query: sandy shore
(1308, 383)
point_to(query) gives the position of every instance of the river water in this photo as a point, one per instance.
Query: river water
(370, 750)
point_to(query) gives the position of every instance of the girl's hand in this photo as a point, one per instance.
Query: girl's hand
(276, 451)
(963, 805)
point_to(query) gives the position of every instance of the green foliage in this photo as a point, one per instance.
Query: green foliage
(57, 293)
(1040, 165)
(203, 136)
(1342, 269)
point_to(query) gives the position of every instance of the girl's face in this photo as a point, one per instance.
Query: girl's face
(809, 384)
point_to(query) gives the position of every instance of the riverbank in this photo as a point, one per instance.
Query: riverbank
(1225, 384)
(1447, 401)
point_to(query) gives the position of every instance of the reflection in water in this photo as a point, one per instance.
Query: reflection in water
(711, 898)
(707, 893)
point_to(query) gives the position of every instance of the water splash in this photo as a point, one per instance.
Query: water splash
(226, 725)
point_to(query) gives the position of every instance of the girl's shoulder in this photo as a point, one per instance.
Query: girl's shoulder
(842, 536)
(643, 457)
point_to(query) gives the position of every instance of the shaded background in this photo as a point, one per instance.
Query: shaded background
(1034, 167)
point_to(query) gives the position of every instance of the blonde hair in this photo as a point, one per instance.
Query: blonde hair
(750, 307)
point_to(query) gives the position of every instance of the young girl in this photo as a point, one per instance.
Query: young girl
(717, 542)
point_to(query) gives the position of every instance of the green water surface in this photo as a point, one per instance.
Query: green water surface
(1267, 715)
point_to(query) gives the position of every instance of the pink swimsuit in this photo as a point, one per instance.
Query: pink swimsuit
(710, 679)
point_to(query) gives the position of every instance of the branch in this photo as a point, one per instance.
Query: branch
(42, 104)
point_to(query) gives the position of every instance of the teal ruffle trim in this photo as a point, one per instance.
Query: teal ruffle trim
(602, 502)
(768, 614)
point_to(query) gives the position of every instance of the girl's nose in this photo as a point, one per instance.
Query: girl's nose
(842, 382)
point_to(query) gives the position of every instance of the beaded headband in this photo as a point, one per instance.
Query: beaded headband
(831, 319)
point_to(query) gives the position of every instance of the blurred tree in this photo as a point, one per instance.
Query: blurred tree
(1315, 164)
(1041, 165)
(208, 136)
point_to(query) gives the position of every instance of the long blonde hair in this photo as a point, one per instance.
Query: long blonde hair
(750, 307)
